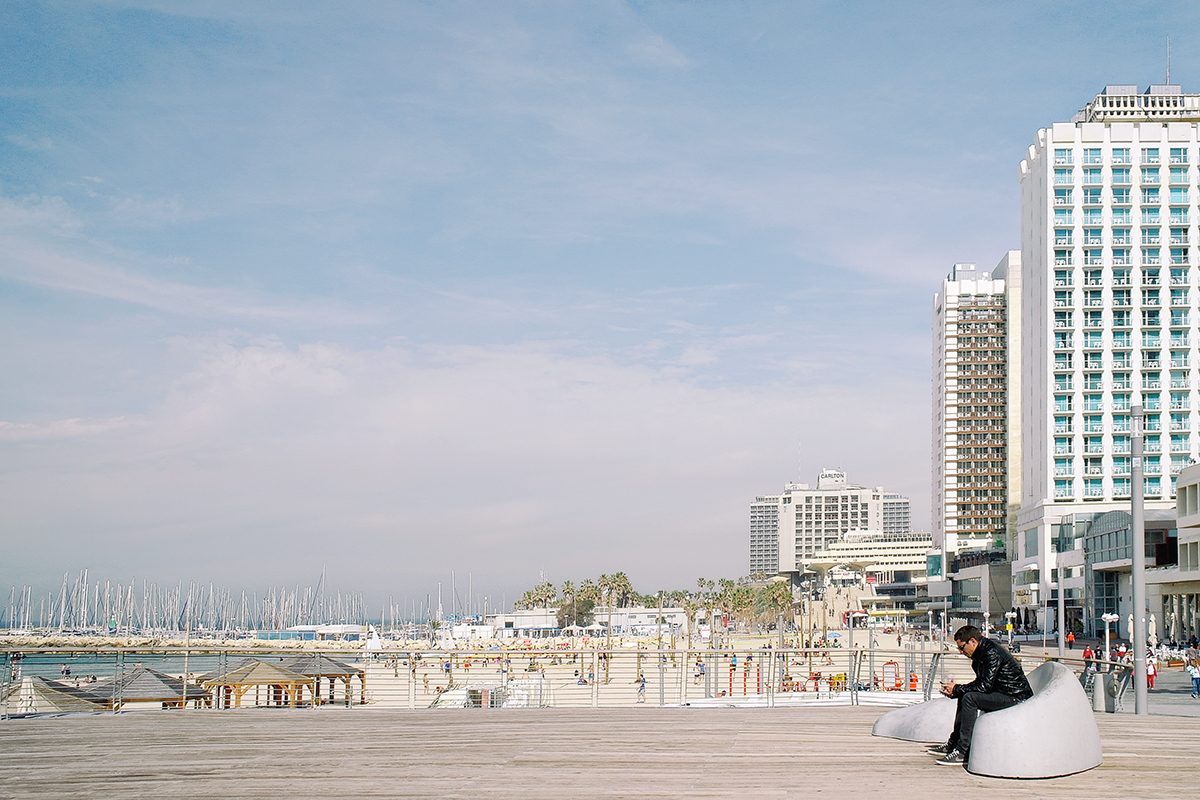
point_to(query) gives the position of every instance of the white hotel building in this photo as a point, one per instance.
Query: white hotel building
(789, 529)
(1109, 320)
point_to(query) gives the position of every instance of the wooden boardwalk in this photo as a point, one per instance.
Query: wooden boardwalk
(551, 753)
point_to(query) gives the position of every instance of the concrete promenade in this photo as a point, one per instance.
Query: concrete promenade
(546, 753)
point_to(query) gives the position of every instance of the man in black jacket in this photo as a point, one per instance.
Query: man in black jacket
(999, 683)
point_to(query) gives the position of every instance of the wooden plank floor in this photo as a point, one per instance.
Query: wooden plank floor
(552, 753)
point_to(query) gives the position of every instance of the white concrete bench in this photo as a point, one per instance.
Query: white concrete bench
(1049, 735)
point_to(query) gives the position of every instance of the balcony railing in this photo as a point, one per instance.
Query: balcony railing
(1149, 240)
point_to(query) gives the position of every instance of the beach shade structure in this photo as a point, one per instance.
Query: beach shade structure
(213, 674)
(317, 667)
(37, 695)
(283, 686)
(145, 685)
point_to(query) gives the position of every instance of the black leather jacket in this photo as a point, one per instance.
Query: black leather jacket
(995, 671)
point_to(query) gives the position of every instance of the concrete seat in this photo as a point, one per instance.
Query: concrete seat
(931, 721)
(1049, 735)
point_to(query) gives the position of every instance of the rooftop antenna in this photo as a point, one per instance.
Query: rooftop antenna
(800, 462)
(1168, 60)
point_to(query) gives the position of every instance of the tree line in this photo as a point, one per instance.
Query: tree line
(576, 602)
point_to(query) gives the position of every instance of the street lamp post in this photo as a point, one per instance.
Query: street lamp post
(1137, 497)
(1109, 619)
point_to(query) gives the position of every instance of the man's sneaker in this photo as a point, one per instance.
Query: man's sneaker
(940, 749)
(955, 759)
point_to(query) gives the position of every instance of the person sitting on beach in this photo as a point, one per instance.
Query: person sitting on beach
(999, 683)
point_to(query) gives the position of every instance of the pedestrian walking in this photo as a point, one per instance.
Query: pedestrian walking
(1071, 640)
(1151, 671)
(1193, 671)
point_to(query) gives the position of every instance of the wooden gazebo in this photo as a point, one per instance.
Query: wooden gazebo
(284, 687)
(317, 667)
(145, 685)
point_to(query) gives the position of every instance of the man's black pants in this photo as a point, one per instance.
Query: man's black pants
(969, 706)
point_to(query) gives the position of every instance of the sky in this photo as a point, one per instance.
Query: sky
(507, 289)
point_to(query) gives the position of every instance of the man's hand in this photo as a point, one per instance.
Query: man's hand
(948, 688)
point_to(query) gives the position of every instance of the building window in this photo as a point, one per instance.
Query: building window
(1031, 535)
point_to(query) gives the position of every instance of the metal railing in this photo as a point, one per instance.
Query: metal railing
(215, 679)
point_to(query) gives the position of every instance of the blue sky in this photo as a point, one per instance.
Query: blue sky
(400, 288)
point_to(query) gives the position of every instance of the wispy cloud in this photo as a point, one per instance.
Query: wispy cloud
(33, 262)
(657, 51)
(446, 457)
(63, 428)
(32, 144)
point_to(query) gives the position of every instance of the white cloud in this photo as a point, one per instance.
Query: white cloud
(61, 429)
(394, 464)
(30, 143)
(657, 51)
(30, 260)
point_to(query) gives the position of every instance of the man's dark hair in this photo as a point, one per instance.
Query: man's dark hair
(968, 632)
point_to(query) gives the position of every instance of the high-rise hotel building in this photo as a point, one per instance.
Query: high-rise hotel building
(976, 433)
(1108, 205)
(790, 528)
